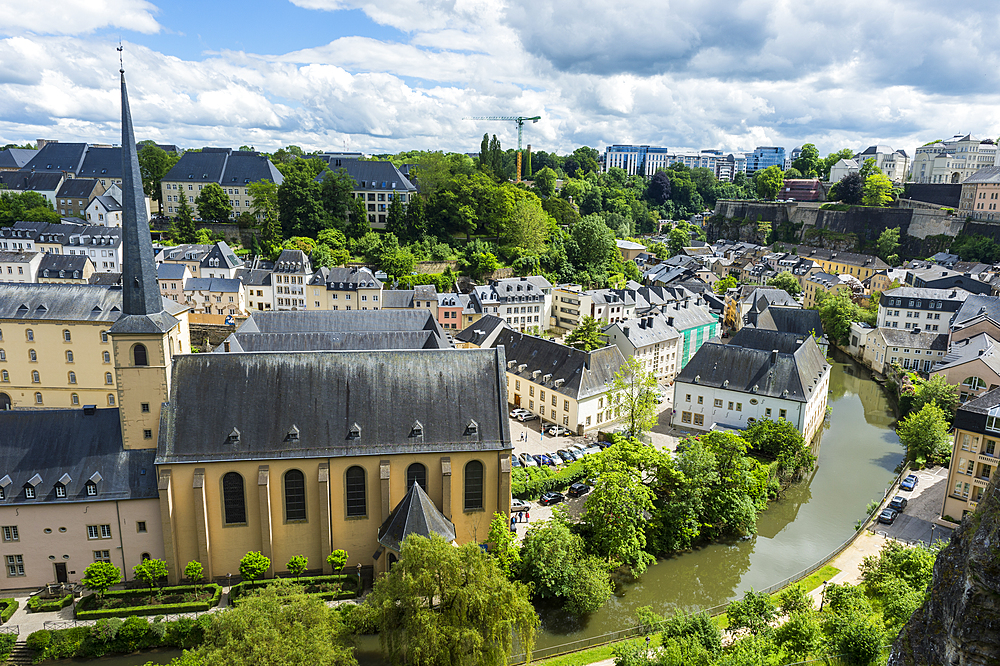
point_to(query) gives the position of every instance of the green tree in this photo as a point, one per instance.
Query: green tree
(924, 435)
(808, 162)
(300, 206)
(254, 565)
(274, 626)
(336, 195)
(616, 513)
(587, 336)
(479, 260)
(764, 232)
(938, 391)
(785, 280)
(332, 238)
(851, 189)
(833, 158)
(297, 564)
(554, 562)
(754, 612)
(503, 545)
(150, 571)
(725, 284)
(677, 240)
(183, 228)
(395, 219)
(29, 206)
(837, 311)
(213, 204)
(545, 182)
(445, 605)
(154, 163)
(100, 576)
(868, 169)
(800, 635)
(416, 216)
(888, 246)
(194, 572)
(632, 396)
(856, 636)
(878, 190)
(768, 182)
(359, 224)
(337, 560)
(911, 565)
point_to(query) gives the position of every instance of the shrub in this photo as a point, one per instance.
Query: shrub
(39, 640)
(132, 634)
(85, 612)
(38, 605)
(9, 606)
(7, 642)
(342, 587)
(337, 560)
(254, 565)
(530, 483)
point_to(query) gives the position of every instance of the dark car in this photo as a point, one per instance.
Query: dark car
(887, 516)
(909, 483)
(543, 459)
(578, 490)
(897, 503)
(551, 498)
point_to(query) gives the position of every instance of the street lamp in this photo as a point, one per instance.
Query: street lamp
(933, 527)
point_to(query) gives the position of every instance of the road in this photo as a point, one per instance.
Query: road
(920, 521)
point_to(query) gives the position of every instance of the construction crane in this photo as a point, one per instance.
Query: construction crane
(520, 126)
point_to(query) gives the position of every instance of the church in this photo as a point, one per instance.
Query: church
(346, 449)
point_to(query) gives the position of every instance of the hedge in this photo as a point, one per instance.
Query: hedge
(531, 482)
(10, 605)
(38, 605)
(114, 635)
(7, 642)
(155, 609)
(348, 591)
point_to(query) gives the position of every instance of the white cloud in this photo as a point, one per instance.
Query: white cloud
(75, 17)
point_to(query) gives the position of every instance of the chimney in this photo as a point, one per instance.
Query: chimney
(625, 331)
(774, 356)
(670, 321)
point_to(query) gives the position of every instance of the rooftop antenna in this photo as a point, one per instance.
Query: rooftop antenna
(121, 63)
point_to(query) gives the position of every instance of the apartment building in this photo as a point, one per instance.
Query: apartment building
(895, 164)
(19, 266)
(823, 283)
(972, 364)
(75, 195)
(375, 183)
(651, 341)
(65, 269)
(981, 195)
(233, 170)
(525, 303)
(914, 349)
(291, 272)
(172, 276)
(215, 296)
(953, 160)
(343, 288)
(915, 307)
(974, 458)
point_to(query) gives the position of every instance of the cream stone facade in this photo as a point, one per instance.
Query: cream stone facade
(975, 455)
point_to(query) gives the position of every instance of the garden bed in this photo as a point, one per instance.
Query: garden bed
(326, 588)
(9, 606)
(38, 605)
(123, 603)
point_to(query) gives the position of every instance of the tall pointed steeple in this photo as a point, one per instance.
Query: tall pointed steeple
(142, 305)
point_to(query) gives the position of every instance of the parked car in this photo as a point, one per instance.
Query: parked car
(898, 503)
(518, 505)
(526, 416)
(578, 490)
(909, 483)
(551, 498)
(565, 456)
(517, 411)
(558, 431)
(528, 460)
(543, 459)
(556, 460)
(576, 450)
(887, 516)
(592, 449)
(515, 462)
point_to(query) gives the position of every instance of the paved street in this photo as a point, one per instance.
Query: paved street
(918, 522)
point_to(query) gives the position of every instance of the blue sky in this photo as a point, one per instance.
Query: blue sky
(392, 75)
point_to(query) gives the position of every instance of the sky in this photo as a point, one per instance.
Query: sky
(383, 76)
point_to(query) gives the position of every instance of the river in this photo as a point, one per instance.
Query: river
(857, 453)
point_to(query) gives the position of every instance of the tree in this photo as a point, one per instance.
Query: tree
(725, 284)
(888, 245)
(416, 217)
(785, 280)
(395, 219)
(154, 163)
(764, 232)
(503, 545)
(545, 182)
(878, 190)
(658, 190)
(833, 158)
(274, 626)
(254, 565)
(800, 635)
(837, 311)
(337, 560)
(924, 435)
(677, 240)
(300, 208)
(851, 189)
(479, 260)
(336, 195)
(868, 169)
(100, 576)
(297, 564)
(616, 512)
(554, 562)
(632, 397)
(393, 259)
(808, 161)
(768, 182)
(213, 204)
(445, 605)
(754, 612)
(782, 442)
(912, 565)
(587, 336)
(938, 391)
(29, 206)
(150, 571)
(194, 572)
(359, 224)
(184, 229)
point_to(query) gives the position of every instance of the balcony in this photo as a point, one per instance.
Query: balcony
(988, 459)
(980, 481)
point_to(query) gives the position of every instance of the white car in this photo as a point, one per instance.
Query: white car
(519, 412)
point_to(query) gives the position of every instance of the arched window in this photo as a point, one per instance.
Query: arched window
(74, 398)
(72, 378)
(38, 398)
(4, 377)
(3, 355)
(233, 499)
(111, 400)
(416, 473)
(139, 356)
(32, 356)
(69, 356)
(107, 357)
(30, 335)
(109, 378)
(357, 500)
(35, 378)
(974, 383)
(295, 495)
(145, 556)
(473, 485)
(104, 336)
(66, 335)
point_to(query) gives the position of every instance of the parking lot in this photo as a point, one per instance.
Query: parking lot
(919, 521)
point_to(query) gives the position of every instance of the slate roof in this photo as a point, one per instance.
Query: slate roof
(397, 298)
(688, 316)
(976, 305)
(980, 346)
(62, 262)
(292, 261)
(762, 338)
(479, 331)
(915, 338)
(18, 255)
(333, 341)
(221, 251)
(972, 414)
(211, 284)
(184, 252)
(350, 278)
(645, 331)
(102, 163)
(415, 514)
(53, 443)
(584, 374)
(990, 174)
(15, 158)
(56, 158)
(790, 320)
(629, 245)
(22, 181)
(71, 302)
(256, 277)
(850, 258)
(370, 322)
(77, 188)
(106, 279)
(245, 167)
(168, 270)
(206, 166)
(108, 202)
(459, 397)
(757, 371)
(368, 175)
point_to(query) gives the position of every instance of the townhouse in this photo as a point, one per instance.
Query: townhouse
(975, 454)
(422, 296)
(75, 195)
(923, 274)
(343, 288)
(973, 364)
(916, 307)
(913, 349)
(19, 266)
(825, 284)
(834, 262)
(220, 297)
(172, 276)
(65, 269)
(292, 270)
(651, 341)
(525, 303)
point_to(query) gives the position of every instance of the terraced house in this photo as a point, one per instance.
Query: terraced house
(975, 455)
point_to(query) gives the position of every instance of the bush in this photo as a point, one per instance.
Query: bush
(9, 607)
(39, 640)
(84, 612)
(7, 642)
(38, 605)
(348, 587)
(531, 482)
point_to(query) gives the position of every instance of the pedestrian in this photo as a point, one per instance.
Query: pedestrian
(527, 517)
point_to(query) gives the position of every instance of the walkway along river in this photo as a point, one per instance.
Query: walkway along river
(858, 452)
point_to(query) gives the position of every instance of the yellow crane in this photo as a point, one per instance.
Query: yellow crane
(520, 120)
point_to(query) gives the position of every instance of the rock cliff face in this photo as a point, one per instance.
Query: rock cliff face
(959, 624)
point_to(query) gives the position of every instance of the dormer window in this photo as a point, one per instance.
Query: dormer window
(354, 432)
(29, 491)
(60, 490)
(234, 436)
(472, 428)
(91, 489)
(417, 429)
(293, 434)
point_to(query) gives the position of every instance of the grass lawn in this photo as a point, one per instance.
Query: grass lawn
(809, 583)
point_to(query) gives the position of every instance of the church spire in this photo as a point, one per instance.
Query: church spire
(140, 295)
